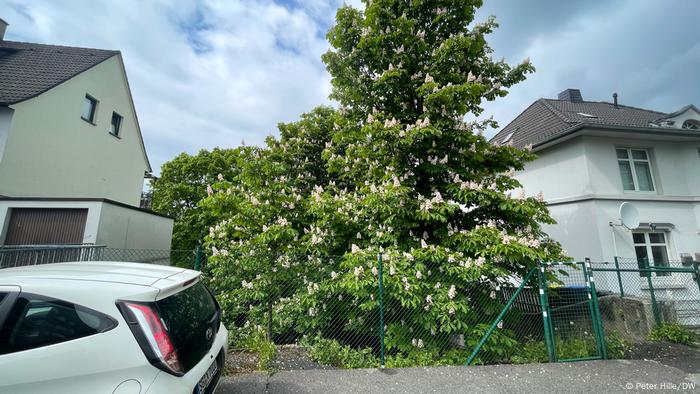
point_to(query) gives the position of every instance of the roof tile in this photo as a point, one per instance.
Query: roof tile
(547, 118)
(27, 70)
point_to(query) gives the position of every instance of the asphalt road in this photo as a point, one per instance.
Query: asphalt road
(611, 376)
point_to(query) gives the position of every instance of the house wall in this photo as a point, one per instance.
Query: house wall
(587, 165)
(126, 228)
(52, 152)
(584, 231)
(5, 121)
(558, 172)
(675, 166)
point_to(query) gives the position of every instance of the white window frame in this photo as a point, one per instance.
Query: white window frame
(650, 256)
(630, 160)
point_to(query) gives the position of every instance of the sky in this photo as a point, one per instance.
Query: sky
(206, 73)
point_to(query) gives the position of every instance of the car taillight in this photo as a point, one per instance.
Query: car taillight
(152, 336)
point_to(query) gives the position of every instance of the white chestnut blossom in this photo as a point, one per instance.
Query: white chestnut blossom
(452, 292)
(358, 271)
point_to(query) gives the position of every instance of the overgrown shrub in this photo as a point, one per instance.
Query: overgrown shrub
(266, 350)
(331, 353)
(616, 346)
(673, 332)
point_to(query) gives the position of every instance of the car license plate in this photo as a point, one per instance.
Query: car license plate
(207, 378)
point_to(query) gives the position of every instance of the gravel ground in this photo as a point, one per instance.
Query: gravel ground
(289, 358)
(292, 357)
(240, 362)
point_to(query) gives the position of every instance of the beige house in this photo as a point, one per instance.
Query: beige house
(72, 158)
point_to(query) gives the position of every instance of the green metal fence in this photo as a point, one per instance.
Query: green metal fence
(571, 328)
(638, 296)
(372, 316)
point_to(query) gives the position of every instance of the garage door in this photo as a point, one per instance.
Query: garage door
(44, 226)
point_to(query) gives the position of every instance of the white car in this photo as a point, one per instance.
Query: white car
(108, 327)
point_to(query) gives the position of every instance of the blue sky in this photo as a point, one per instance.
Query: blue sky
(208, 73)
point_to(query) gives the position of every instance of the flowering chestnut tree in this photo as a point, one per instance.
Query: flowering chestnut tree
(428, 191)
(396, 171)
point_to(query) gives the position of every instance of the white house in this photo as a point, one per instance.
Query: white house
(593, 156)
(72, 159)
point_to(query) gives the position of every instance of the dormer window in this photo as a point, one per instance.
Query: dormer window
(508, 137)
(691, 124)
(585, 115)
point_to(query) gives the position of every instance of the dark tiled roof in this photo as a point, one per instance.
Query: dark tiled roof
(548, 118)
(27, 70)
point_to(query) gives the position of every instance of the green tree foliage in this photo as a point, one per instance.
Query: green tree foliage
(396, 171)
(183, 184)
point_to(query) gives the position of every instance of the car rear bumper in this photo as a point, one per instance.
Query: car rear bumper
(167, 383)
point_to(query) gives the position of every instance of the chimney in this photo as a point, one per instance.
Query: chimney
(573, 95)
(615, 100)
(3, 27)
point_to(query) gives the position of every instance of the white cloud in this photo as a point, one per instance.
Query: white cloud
(641, 49)
(208, 73)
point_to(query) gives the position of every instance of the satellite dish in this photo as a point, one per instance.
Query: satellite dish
(629, 216)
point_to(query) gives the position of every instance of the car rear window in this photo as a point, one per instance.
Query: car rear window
(187, 316)
(37, 321)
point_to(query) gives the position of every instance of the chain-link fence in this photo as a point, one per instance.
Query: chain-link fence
(16, 256)
(637, 296)
(380, 312)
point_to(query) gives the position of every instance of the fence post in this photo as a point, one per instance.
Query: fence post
(697, 273)
(654, 307)
(597, 320)
(198, 257)
(619, 278)
(381, 310)
(544, 304)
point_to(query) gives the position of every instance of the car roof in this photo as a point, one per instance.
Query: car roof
(101, 271)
